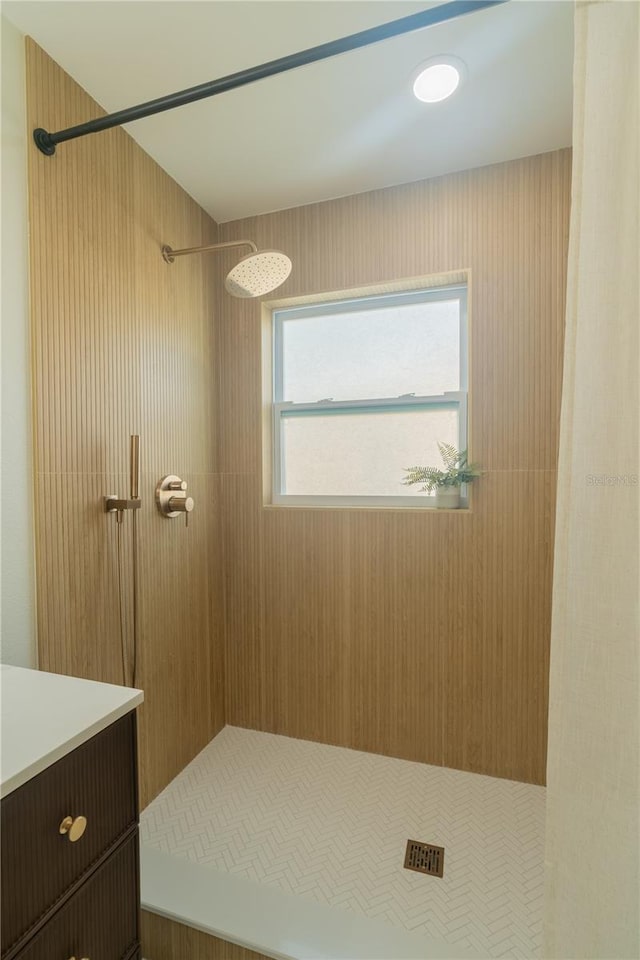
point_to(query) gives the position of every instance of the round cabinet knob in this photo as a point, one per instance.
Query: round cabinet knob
(73, 827)
(181, 504)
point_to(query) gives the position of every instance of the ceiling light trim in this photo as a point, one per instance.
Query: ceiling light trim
(427, 92)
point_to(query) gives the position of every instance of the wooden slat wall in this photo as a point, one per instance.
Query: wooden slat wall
(123, 343)
(164, 939)
(419, 635)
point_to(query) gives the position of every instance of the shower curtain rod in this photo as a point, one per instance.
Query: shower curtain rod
(46, 142)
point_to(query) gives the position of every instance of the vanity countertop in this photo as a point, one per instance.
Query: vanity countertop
(47, 715)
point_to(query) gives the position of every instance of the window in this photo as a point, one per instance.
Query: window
(362, 389)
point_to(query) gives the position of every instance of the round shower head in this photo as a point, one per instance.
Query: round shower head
(257, 274)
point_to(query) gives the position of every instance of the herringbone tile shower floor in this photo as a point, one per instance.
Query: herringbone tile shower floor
(331, 824)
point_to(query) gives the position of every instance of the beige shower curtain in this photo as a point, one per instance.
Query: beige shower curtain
(592, 893)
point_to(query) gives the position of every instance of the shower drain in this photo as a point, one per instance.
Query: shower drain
(424, 858)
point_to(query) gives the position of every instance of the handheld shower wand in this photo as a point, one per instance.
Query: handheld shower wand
(114, 504)
(134, 466)
(134, 484)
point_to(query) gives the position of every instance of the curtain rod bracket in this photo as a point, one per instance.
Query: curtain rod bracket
(44, 142)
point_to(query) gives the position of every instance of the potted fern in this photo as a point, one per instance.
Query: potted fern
(447, 482)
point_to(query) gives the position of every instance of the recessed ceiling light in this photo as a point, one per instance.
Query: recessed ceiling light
(438, 78)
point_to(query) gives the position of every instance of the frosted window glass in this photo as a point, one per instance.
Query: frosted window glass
(382, 352)
(362, 454)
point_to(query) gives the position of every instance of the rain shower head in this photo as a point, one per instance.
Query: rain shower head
(258, 273)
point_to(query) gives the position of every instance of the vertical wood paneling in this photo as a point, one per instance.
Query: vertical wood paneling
(423, 636)
(123, 343)
(164, 939)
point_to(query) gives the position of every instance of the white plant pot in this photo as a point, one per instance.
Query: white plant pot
(448, 498)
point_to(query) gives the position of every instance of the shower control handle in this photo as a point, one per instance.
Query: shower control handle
(181, 504)
(171, 498)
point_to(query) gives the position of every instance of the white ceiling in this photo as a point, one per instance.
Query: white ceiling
(329, 129)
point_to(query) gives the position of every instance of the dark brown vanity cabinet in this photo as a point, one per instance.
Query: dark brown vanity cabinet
(70, 856)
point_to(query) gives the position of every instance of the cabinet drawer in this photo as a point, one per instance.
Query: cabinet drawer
(100, 921)
(39, 864)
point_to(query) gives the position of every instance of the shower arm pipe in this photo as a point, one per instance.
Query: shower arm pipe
(47, 142)
(169, 254)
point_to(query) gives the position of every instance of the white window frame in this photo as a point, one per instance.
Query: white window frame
(283, 408)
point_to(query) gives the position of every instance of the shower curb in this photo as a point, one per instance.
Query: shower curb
(269, 921)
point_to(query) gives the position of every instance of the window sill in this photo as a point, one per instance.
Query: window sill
(367, 508)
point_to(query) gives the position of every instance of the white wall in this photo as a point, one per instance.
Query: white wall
(592, 887)
(17, 624)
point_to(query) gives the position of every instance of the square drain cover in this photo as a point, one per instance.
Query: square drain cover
(424, 858)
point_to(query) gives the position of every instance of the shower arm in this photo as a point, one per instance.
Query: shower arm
(46, 142)
(169, 255)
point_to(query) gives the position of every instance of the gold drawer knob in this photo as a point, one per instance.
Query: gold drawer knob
(73, 828)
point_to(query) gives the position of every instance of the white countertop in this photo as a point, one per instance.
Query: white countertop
(47, 715)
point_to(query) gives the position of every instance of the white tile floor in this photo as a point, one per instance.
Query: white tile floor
(327, 824)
